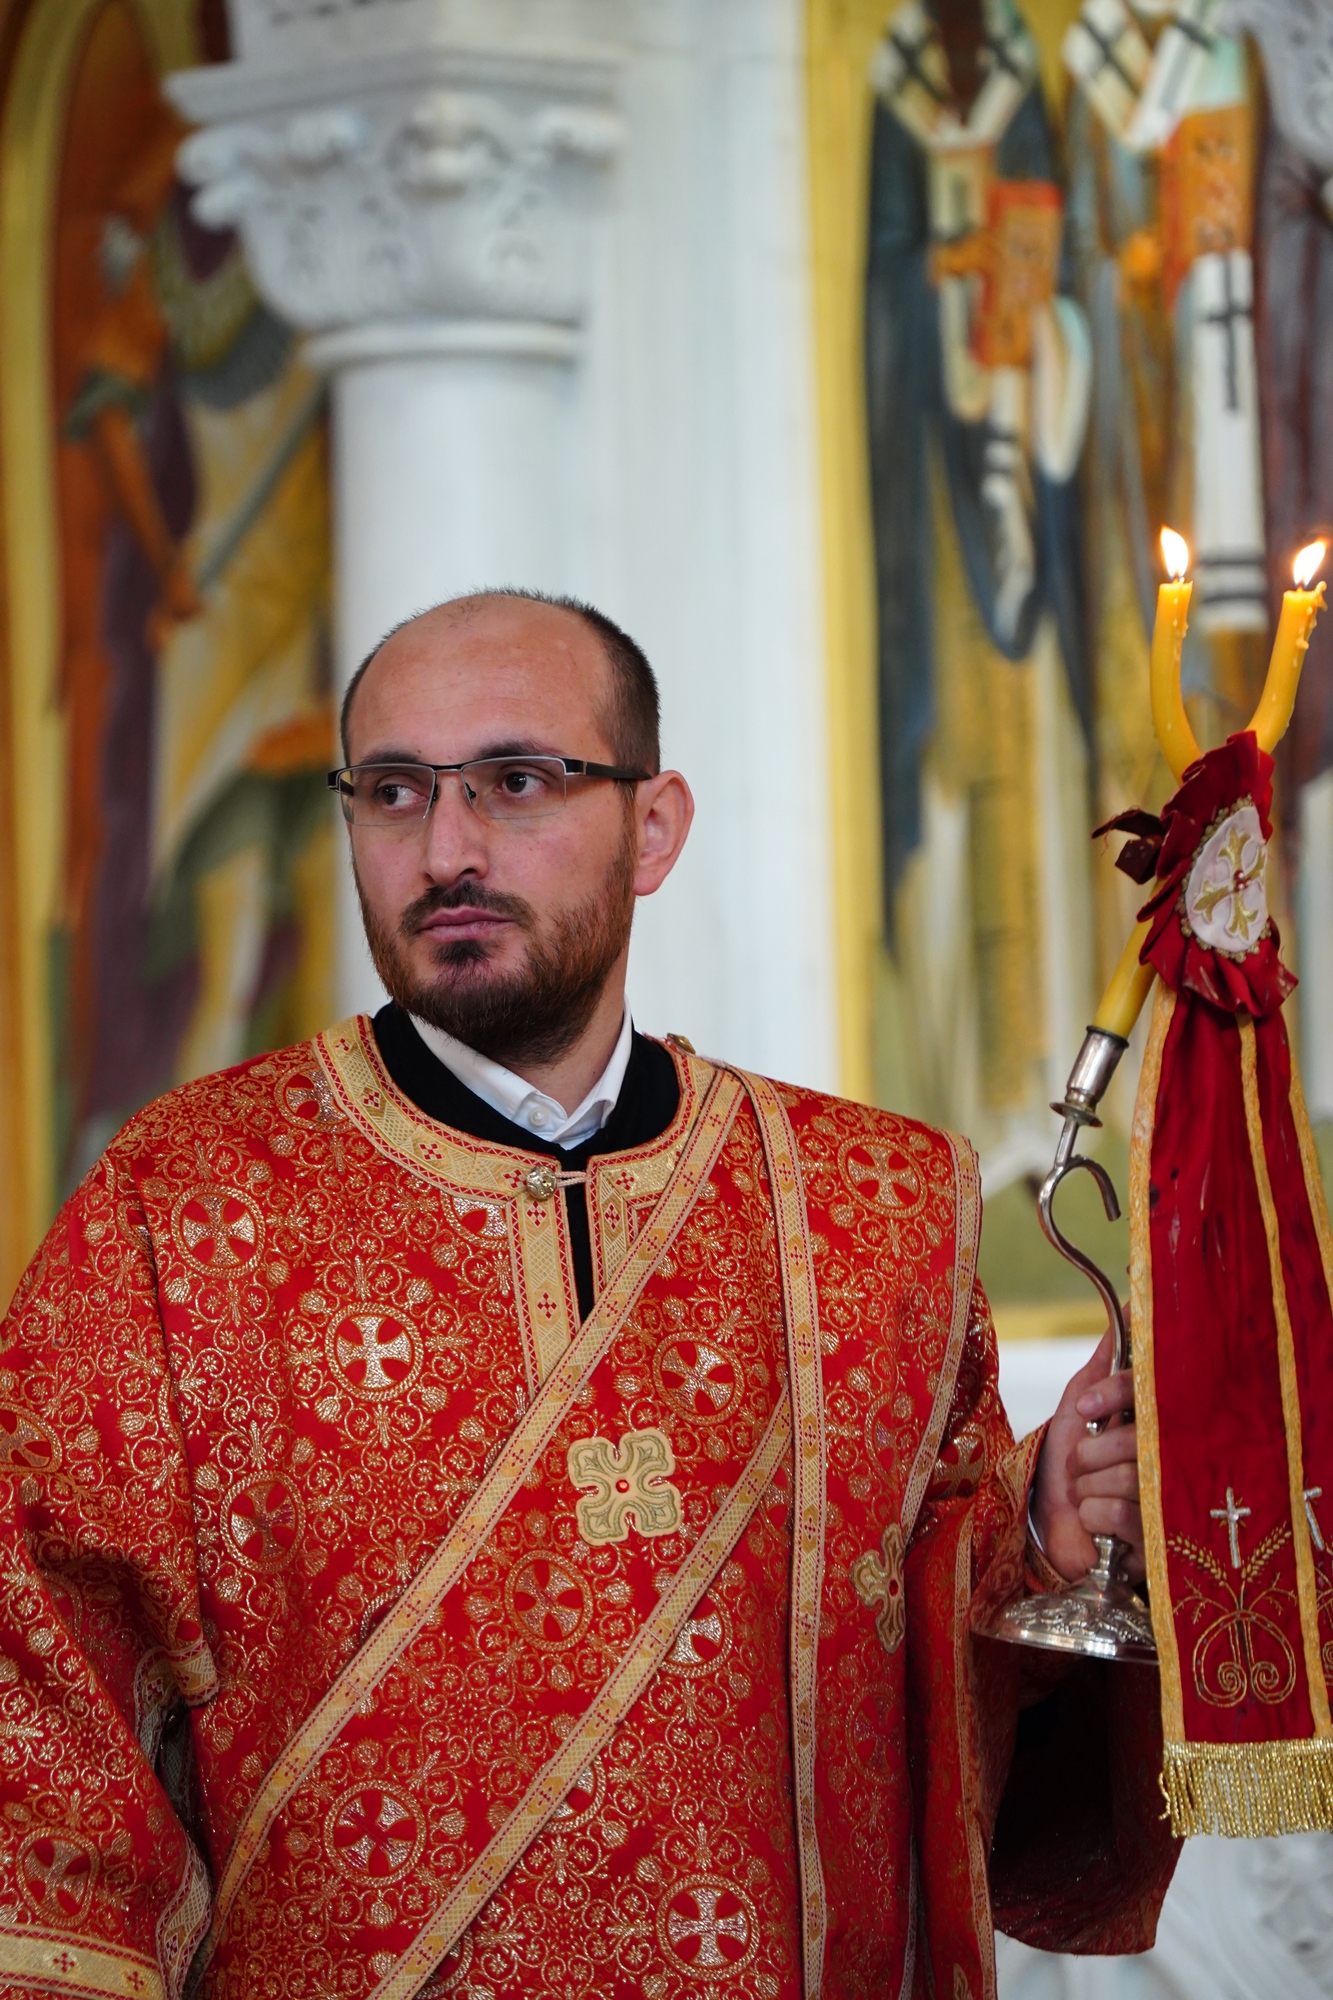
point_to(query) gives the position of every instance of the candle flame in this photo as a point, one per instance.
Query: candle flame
(1176, 554)
(1308, 562)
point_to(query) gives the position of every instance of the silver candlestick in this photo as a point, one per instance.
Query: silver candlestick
(1101, 1616)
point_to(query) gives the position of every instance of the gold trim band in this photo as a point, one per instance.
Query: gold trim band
(967, 1243)
(513, 1462)
(809, 1498)
(58, 1963)
(1306, 1583)
(596, 1727)
(1144, 1366)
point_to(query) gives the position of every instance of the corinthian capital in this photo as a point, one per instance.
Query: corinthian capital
(436, 180)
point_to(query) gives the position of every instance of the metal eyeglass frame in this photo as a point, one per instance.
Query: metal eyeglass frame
(572, 767)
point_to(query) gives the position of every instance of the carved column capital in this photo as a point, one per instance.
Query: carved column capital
(430, 183)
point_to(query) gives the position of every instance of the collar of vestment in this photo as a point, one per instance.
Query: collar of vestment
(522, 1102)
(647, 1101)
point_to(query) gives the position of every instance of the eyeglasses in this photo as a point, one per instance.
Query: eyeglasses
(401, 796)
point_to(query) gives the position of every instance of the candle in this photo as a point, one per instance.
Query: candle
(1128, 988)
(1130, 983)
(1168, 707)
(1300, 608)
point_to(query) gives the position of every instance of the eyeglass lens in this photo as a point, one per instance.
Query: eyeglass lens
(500, 788)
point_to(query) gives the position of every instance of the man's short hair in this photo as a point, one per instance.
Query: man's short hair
(633, 720)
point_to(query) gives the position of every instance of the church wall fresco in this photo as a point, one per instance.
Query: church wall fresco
(1071, 269)
(167, 585)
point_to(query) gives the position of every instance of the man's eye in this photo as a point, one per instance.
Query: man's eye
(520, 781)
(397, 795)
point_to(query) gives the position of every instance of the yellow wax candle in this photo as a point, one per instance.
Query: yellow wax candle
(1168, 706)
(1129, 986)
(1130, 983)
(1300, 608)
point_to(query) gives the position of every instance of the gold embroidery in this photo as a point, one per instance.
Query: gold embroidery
(592, 1732)
(548, 1601)
(628, 1482)
(1241, 1650)
(809, 1497)
(416, 1603)
(68, 1965)
(878, 1580)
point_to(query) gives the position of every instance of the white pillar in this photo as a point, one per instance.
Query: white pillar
(419, 202)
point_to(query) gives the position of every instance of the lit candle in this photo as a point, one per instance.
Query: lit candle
(1168, 636)
(1300, 608)
(1130, 983)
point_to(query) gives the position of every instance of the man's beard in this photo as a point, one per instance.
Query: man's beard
(538, 1011)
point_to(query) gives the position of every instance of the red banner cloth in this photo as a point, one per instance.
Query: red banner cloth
(1231, 1270)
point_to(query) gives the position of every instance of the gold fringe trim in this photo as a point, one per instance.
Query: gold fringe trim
(1247, 1790)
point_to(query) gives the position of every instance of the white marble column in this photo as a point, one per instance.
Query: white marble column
(415, 186)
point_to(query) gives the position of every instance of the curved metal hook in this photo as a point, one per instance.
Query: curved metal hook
(1067, 1162)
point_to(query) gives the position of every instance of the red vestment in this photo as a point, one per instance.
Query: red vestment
(361, 1603)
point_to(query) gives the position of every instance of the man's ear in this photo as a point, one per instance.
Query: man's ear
(663, 809)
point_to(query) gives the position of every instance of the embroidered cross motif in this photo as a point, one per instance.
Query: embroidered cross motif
(878, 1580)
(365, 1342)
(1226, 900)
(1243, 869)
(708, 1927)
(627, 1483)
(1233, 1516)
(685, 1654)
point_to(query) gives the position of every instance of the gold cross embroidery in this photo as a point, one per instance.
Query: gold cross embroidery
(878, 1579)
(1240, 917)
(627, 1483)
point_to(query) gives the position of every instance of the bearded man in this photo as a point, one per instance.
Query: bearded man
(500, 1505)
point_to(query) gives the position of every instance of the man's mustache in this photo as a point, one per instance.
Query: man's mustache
(464, 896)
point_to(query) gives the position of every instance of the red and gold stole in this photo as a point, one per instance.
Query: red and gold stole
(353, 1772)
(1231, 1276)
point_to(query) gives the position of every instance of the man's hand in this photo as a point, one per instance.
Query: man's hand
(1087, 1485)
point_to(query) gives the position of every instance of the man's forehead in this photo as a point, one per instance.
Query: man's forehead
(487, 653)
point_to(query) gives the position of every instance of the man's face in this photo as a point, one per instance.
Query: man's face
(502, 933)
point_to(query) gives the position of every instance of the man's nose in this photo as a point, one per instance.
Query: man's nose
(456, 841)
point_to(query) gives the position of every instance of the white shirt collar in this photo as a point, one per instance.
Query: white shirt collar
(520, 1101)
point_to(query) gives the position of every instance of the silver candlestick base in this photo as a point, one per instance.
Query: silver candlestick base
(1101, 1617)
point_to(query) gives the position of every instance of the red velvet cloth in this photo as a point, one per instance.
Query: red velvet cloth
(1236, 774)
(1246, 1580)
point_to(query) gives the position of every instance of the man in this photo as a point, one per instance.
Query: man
(498, 1503)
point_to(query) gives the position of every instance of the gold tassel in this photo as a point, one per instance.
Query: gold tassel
(1247, 1790)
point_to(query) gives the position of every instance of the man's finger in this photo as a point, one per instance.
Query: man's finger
(1111, 1482)
(1117, 1445)
(1104, 1398)
(1112, 1517)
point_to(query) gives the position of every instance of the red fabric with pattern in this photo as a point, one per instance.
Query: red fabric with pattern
(258, 1367)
